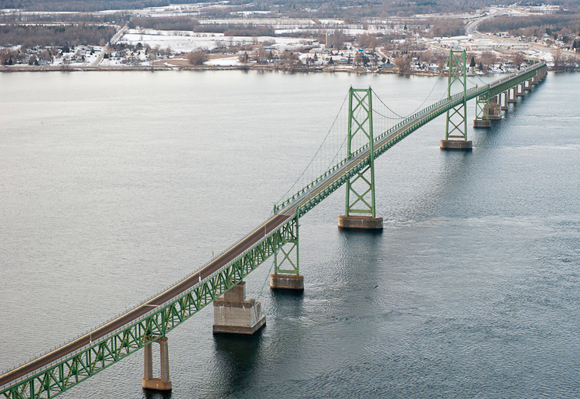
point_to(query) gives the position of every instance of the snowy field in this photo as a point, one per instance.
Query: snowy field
(185, 41)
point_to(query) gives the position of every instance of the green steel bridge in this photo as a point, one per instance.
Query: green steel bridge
(63, 368)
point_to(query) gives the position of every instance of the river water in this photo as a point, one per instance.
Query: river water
(115, 185)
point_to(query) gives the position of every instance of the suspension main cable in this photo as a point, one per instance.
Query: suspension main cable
(419, 107)
(315, 154)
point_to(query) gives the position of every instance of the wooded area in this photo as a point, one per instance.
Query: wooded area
(40, 35)
(298, 8)
(192, 24)
(563, 26)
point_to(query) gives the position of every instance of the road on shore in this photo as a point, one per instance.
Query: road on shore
(113, 40)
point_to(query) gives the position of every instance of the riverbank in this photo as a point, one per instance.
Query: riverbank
(262, 68)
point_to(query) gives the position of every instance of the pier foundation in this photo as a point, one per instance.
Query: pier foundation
(494, 111)
(234, 314)
(504, 104)
(459, 145)
(511, 96)
(286, 282)
(360, 222)
(481, 123)
(158, 384)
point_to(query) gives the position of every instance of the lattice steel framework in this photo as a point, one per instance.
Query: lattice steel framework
(456, 125)
(287, 259)
(481, 108)
(360, 189)
(88, 361)
(68, 371)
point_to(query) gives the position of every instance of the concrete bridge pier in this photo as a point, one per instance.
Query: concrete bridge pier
(287, 282)
(481, 123)
(494, 110)
(504, 104)
(511, 96)
(486, 111)
(234, 314)
(459, 145)
(360, 222)
(520, 90)
(158, 384)
(541, 74)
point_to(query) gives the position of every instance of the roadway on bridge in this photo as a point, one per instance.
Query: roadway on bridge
(260, 233)
(135, 314)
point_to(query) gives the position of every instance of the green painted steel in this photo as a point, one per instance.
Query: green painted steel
(502, 85)
(457, 116)
(481, 108)
(385, 141)
(360, 122)
(508, 82)
(289, 261)
(87, 361)
(66, 373)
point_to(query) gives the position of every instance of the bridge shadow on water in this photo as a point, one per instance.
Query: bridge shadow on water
(148, 394)
(237, 357)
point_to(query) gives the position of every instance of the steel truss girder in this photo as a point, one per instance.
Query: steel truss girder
(506, 84)
(66, 373)
(398, 133)
(360, 102)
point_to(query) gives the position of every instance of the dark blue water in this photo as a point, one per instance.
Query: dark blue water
(115, 185)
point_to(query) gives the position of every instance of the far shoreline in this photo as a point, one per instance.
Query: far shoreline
(204, 68)
(207, 68)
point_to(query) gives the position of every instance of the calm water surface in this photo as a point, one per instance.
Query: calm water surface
(115, 185)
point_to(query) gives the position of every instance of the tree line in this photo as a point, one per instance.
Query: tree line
(192, 24)
(537, 25)
(102, 18)
(298, 8)
(43, 35)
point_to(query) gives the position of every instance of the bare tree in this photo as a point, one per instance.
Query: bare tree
(488, 59)
(404, 65)
(197, 57)
(518, 59)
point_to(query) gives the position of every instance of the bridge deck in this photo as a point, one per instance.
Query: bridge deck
(300, 204)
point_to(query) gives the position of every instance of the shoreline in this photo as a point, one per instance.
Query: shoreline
(261, 68)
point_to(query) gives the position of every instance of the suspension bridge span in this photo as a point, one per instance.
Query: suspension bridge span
(221, 281)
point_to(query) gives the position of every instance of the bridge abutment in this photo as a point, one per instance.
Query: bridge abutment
(234, 314)
(158, 384)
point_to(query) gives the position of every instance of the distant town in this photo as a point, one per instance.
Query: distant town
(498, 39)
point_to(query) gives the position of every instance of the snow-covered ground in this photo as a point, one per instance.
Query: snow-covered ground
(226, 61)
(186, 41)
